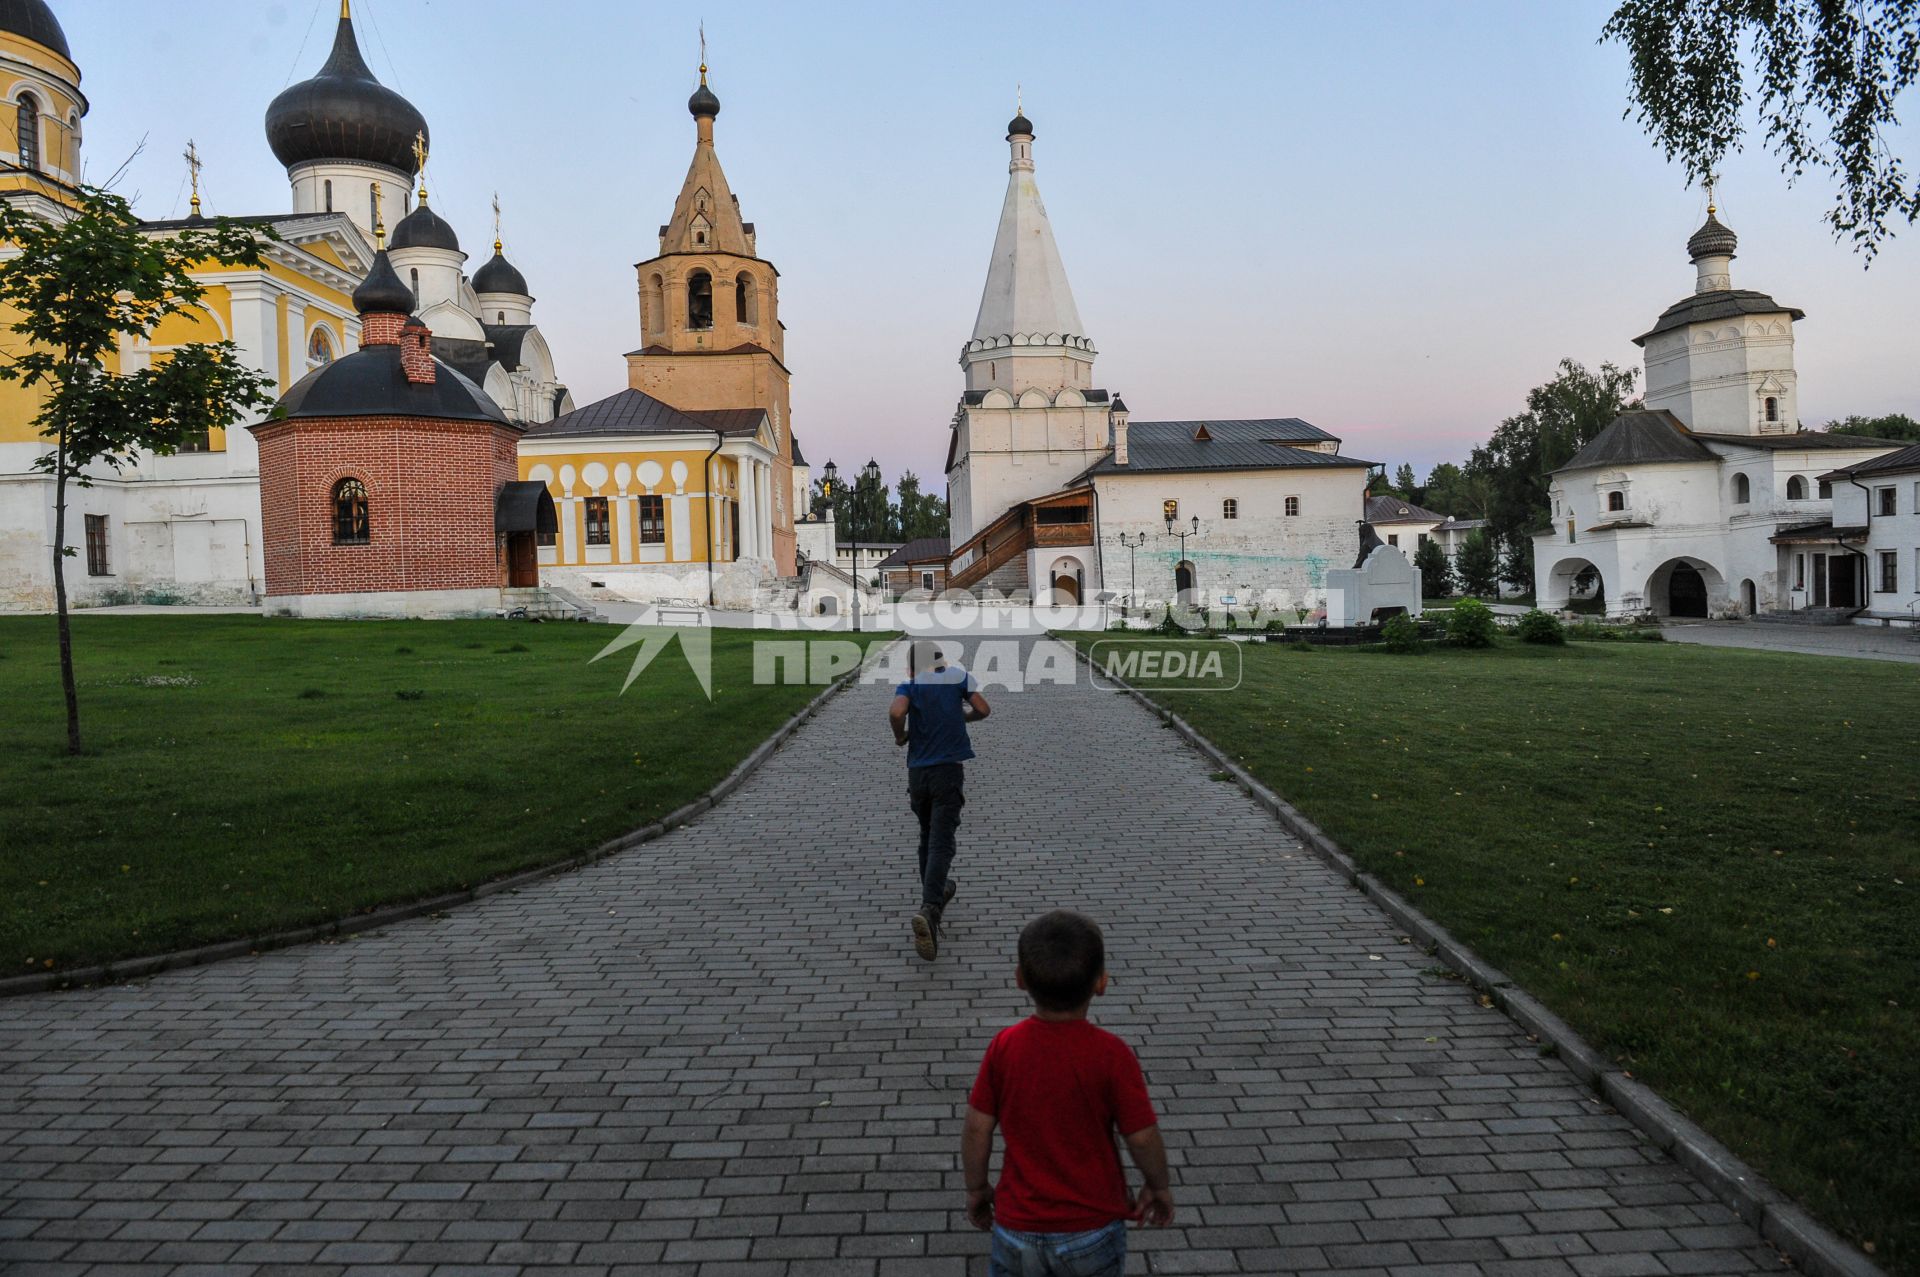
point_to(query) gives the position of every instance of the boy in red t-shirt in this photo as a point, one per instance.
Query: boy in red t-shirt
(1059, 1088)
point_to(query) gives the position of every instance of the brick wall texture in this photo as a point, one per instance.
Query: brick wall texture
(430, 493)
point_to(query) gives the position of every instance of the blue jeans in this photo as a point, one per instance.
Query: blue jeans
(936, 793)
(1100, 1253)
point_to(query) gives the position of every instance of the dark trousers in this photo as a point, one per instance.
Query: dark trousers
(937, 794)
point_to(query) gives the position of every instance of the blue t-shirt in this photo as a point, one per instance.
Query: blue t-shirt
(936, 728)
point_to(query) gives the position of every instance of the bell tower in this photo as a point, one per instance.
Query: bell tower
(710, 330)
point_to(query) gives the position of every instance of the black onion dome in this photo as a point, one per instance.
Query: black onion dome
(1713, 239)
(1020, 124)
(703, 102)
(424, 228)
(343, 113)
(32, 20)
(382, 289)
(499, 276)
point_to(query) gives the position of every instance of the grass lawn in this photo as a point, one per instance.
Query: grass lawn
(1707, 860)
(246, 775)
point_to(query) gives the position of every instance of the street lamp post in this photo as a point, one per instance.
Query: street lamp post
(1133, 541)
(1175, 530)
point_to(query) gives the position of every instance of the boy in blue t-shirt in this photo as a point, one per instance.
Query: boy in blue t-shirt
(930, 714)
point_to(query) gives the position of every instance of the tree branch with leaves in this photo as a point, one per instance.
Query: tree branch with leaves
(1827, 77)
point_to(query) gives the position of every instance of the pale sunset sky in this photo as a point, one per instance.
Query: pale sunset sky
(1389, 219)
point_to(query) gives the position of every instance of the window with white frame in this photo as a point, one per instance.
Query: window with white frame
(1229, 509)
(1889, 571)
(1293, 507)
(1889, 500)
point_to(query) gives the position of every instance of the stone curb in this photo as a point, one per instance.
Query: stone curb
(1811, 1245)
(154, 964)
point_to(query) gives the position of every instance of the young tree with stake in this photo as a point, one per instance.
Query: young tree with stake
(79, 286)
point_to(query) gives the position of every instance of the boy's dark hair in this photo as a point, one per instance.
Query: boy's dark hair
(1062, 955)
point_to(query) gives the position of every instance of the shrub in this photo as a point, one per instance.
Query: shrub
(1541, 627)
(1471, 624)
(312, 694)
(1401, 633)
(411, 694)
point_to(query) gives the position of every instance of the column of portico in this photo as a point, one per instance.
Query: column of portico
(256, 331)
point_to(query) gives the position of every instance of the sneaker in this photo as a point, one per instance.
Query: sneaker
(946, 897)
(926, 933)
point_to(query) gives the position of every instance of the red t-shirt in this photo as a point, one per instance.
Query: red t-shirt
(1060, 1088)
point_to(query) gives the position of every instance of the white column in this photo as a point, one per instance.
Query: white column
(749, 512)
(766, 504)
(256, 331)
(296, 340)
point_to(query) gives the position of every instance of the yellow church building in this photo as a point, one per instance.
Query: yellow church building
(682, 487)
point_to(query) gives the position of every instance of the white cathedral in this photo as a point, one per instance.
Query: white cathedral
(1711, 500)
(186, 528)
(1055, 492)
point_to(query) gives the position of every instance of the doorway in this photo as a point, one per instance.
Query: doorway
(1749, 598)
(1819, 580)
(1842, 581)
(1686, 592)
(1066, 590)
(523, 561)
(1182, 579)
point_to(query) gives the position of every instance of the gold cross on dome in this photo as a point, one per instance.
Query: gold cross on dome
(192, 157)
(420, 160)
(1711, 180)
(379, 223)
(496, 221)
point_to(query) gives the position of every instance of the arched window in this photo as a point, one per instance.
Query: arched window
(745, 305)
(1293, 507)
(413, 278)
(1797, 488)
(29, 132)
(1616, 501)
(350, 525)
(1742, 490)
(1773, 408)
(699, 300)
(319, 348)
(499, 316)
(327, 187)
(373, 204)
(1229, 509)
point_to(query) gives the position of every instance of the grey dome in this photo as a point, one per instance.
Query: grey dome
(499, 276)
(424, 228)
(1020, 124)
(1713, 239)
(703, 102)
(382, 290)
(372, 383)
(33, 20)
(343, 113)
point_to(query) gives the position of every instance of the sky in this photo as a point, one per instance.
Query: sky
(1389, 219)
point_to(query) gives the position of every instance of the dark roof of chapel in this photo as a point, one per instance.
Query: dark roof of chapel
(1640, 436)
(1714, 239)
(33, 20)
(1723, 303)
(635, 412)
(370, 383)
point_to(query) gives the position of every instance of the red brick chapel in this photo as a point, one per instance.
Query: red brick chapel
(388, 481)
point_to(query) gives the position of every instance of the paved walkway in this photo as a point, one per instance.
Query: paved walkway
(717, 1056)
(1874, 642)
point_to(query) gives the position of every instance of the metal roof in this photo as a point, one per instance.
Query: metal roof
(634, 412)
(1907, 458)
(1387, 509)
(1721, 304)
(370, 383)
(1262, 444)
(1639, 437)
(918, 550)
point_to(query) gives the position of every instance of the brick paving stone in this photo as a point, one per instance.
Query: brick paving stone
(716, 1054)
